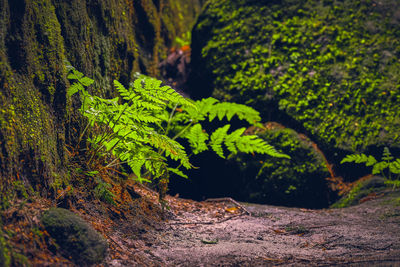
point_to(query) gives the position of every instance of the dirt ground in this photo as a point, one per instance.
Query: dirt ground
(222, 232)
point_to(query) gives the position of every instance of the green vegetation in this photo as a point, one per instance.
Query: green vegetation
(4, 251)
(360, 190)
(332, 66)
(388, 167)
(141, 129)
(299, 181)
(77, 239)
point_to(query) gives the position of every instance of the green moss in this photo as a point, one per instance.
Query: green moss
(330, 65)
(36, 118)
(299, 181)
(75, 237)
(5, 259)
(360, 190)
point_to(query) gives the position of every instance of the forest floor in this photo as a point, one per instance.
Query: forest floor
(222, 232)
(219, 232)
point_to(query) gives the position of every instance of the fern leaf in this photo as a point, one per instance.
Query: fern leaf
(358, 158)
(171, 148)
(74, 88)
(379, 167)
(231, 139)
(197, 138)
(387, 156)
(212, 108)
(217, 139)
(178, 172)
(255, 144)
(370, 161)
(394, 166)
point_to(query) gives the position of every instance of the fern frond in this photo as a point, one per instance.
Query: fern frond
(231, 139)
(395, 166)
(379, 167)
(387, 156)
(197, 138)
(359, 158)
(171, 148)
(228, 110)
(255, 144)
(217, 139)
(152, 91)
(136, 99)
(178, 172)
(74, 88)
(211, 108)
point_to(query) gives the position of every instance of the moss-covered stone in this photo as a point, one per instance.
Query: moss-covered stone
(75, 237)
(104, 39)
(300, 181)
(329, 67)
(4, 252)
(360, 190)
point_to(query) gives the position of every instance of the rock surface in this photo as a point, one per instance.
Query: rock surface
(363, 235)
(299, 181)
(105, 40)
(76, 238)
(328, 69)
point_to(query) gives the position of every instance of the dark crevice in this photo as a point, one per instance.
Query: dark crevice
(15, 40)
(145, 32)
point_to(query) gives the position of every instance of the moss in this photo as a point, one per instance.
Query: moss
(75, 237)
(5, 259)
(100, 38)
(330, 66)
(299, 181)
(360, 190)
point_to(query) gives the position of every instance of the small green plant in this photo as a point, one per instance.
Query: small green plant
(388, 167)
(102, 191)
(185, 40)
(141, 128)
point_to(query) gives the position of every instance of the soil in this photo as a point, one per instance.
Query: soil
(222, 232)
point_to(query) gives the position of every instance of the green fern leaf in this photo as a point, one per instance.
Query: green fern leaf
(217, 139)
(387, 156)
(231, 139)
(178, 172)
(197, 138)
(74, 88)
(395, 166)
(379, 167)
(359, 158)
(255, 144)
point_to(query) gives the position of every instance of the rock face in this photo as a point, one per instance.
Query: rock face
(328, 68)
(75, 237)
(296, 182)
(105, 40)
(4, 257)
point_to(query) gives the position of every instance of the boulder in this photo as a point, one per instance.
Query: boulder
(76, 238)
(299, 181)
(363, 190)
(327, 68)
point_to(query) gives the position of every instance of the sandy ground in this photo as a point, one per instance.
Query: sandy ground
(222, 233)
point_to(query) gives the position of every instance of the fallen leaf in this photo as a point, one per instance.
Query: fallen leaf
(232, 210)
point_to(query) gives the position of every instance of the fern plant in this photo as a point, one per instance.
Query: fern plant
(388, 167)
(142, 127)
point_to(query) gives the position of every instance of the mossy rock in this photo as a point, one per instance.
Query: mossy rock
(299, 181)
(76, 239)
(4, 253)
(361, 189)
(328, 67)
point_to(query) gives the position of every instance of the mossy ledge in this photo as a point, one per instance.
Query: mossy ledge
(327, 68)
(105, 39)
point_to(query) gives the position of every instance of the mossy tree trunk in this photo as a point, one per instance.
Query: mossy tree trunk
(109, 39)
